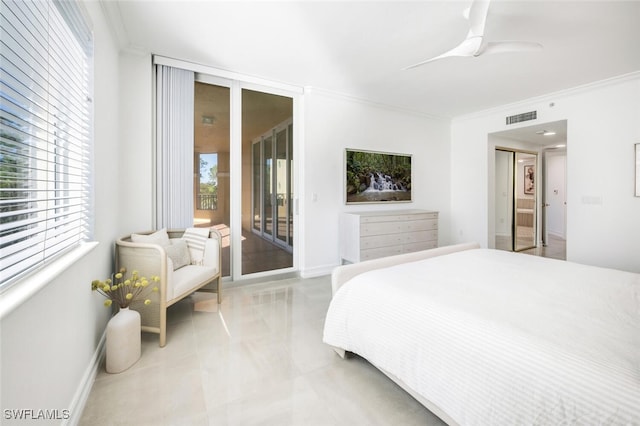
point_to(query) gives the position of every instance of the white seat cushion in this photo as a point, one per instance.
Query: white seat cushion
(186, 279)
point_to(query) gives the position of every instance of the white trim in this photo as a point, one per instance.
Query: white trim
(235, 184)
(31, 284)
(76, 408)
(111, 11)
(318, 271)
(204, 69)
(508, 108)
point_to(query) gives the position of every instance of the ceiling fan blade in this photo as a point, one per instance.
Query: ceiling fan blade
(469, 47)
(478, 17)
(510, 46)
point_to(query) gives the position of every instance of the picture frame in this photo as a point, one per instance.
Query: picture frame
(529, 171)
(376, 177)
(637, 149)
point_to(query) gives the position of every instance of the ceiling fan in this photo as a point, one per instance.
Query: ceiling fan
(474, 45)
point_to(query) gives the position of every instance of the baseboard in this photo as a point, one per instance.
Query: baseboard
(557, 235)
(317, 271)
(84, 389)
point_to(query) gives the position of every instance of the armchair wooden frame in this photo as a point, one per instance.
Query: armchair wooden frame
(152, 259)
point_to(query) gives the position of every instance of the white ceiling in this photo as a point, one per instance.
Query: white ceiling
(359, 48)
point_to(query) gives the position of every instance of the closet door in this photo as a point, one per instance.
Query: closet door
(525, 204)
(504, 200)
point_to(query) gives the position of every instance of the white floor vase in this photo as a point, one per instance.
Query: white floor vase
(123, 340)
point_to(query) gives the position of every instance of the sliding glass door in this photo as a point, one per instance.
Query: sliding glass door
(212, 147)
(268, 125)
(273, 187)
(261, 158)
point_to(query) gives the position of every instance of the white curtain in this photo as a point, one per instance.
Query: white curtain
(174, 147)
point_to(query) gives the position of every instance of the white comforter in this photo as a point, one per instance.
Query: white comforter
(499, 338)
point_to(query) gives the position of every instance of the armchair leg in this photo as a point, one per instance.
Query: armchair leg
(163, 338)
(219, 291)
(163, 329)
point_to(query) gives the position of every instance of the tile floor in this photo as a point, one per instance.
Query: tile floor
(257, 359)
(258, 254)
(556, 247)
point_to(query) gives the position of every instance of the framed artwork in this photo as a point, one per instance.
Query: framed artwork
(376, 177)
(529, 179)
(638, 170)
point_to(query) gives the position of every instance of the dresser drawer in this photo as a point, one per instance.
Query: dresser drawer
(381, 228)
(425, 245)
(375, 241)
(420, 225)
(420, 236)
(380, 252)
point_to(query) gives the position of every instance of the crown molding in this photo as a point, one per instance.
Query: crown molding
(375, 104)
(549, 97)
(111, 11)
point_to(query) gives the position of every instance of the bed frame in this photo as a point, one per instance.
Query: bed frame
(344, 273)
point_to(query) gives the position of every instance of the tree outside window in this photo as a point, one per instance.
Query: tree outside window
(208, 188)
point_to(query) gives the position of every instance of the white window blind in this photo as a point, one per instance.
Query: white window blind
(45, 133)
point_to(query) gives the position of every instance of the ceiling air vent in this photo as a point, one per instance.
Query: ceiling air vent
(519, 118)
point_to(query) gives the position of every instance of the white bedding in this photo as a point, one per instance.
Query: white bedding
(499, 338)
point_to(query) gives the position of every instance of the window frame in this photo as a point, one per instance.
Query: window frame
(57, 193)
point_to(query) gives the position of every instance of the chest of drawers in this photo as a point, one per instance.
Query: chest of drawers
(371, 235)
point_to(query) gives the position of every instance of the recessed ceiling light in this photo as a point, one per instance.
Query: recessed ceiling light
(545, 132)
(561, 145)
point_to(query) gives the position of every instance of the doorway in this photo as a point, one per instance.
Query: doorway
(516, 212)
(227, 120)
(267, 185)
(527, 198)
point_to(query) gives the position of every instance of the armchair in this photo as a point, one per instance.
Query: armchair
(162, 253)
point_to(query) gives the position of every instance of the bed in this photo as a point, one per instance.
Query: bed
(488, 337)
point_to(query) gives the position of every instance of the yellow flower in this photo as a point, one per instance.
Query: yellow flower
(112, 288)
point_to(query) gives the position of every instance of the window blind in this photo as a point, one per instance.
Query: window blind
(174, 147)
(45, 133)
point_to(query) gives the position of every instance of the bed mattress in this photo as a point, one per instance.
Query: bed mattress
(499, 338)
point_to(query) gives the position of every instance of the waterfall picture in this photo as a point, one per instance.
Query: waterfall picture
(377, 177)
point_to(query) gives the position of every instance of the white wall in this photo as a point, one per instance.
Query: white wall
(50, 341)
(136, 166)
(602, 213)
(333, 123)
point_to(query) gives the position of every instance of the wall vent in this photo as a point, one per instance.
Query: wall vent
(518, 118)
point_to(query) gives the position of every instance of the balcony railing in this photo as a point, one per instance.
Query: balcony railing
(207, 201)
